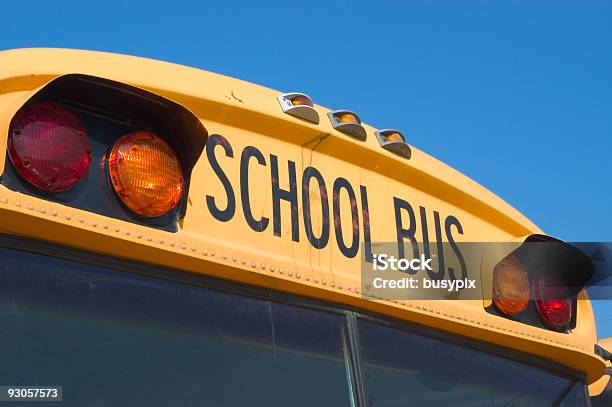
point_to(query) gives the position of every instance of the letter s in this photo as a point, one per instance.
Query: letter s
(448, 223)
(223, 215)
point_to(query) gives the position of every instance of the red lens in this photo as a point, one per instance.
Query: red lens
(48, 147)
(553, 302)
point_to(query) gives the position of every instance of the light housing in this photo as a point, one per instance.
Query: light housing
(48, 147)
(146, 174)
(557, 273)
(347, 122)
(510, 286)
(108, 110)
(394, 141)
(299, 105)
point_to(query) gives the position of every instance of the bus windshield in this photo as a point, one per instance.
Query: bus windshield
(402, 367)
(111, 337)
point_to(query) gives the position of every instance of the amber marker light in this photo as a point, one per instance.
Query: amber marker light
(347, 122)
(298, 105)
(394, 137)
(146, 174)
(510, 286)
(394, 141)
(301, 100)
(348, 118)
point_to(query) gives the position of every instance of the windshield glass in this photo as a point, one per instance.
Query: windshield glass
(401, 367)
(112, 338)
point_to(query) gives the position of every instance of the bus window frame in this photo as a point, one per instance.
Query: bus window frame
(351, 314)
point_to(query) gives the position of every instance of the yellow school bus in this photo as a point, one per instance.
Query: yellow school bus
(171, 236)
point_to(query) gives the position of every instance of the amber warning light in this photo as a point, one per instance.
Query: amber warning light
(146, 174)
(510, 286)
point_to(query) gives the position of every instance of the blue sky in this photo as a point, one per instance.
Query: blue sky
(515, 94)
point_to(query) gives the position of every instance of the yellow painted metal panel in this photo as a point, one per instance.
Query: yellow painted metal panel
(248, 115)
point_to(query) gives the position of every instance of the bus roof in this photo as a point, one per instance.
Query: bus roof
(198, 89)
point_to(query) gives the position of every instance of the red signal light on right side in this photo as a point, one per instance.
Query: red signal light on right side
(146, 174)
(553, 302)
(48, 147)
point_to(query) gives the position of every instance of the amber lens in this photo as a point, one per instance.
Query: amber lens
(510, 286)
(348, 118)
(394, 137)
(300, 100)
(146, 174)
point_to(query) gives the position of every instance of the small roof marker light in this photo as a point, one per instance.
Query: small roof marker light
(393, 141)
(299, 105)
(347, 122)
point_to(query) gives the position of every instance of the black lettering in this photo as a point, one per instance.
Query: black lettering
(250, 151)
(290, 196)
(425, 232)
(365, 212)
(440, 244)
(403, 233)
(453, 221)
(348, 251)
(321, 241)
(223, 215)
